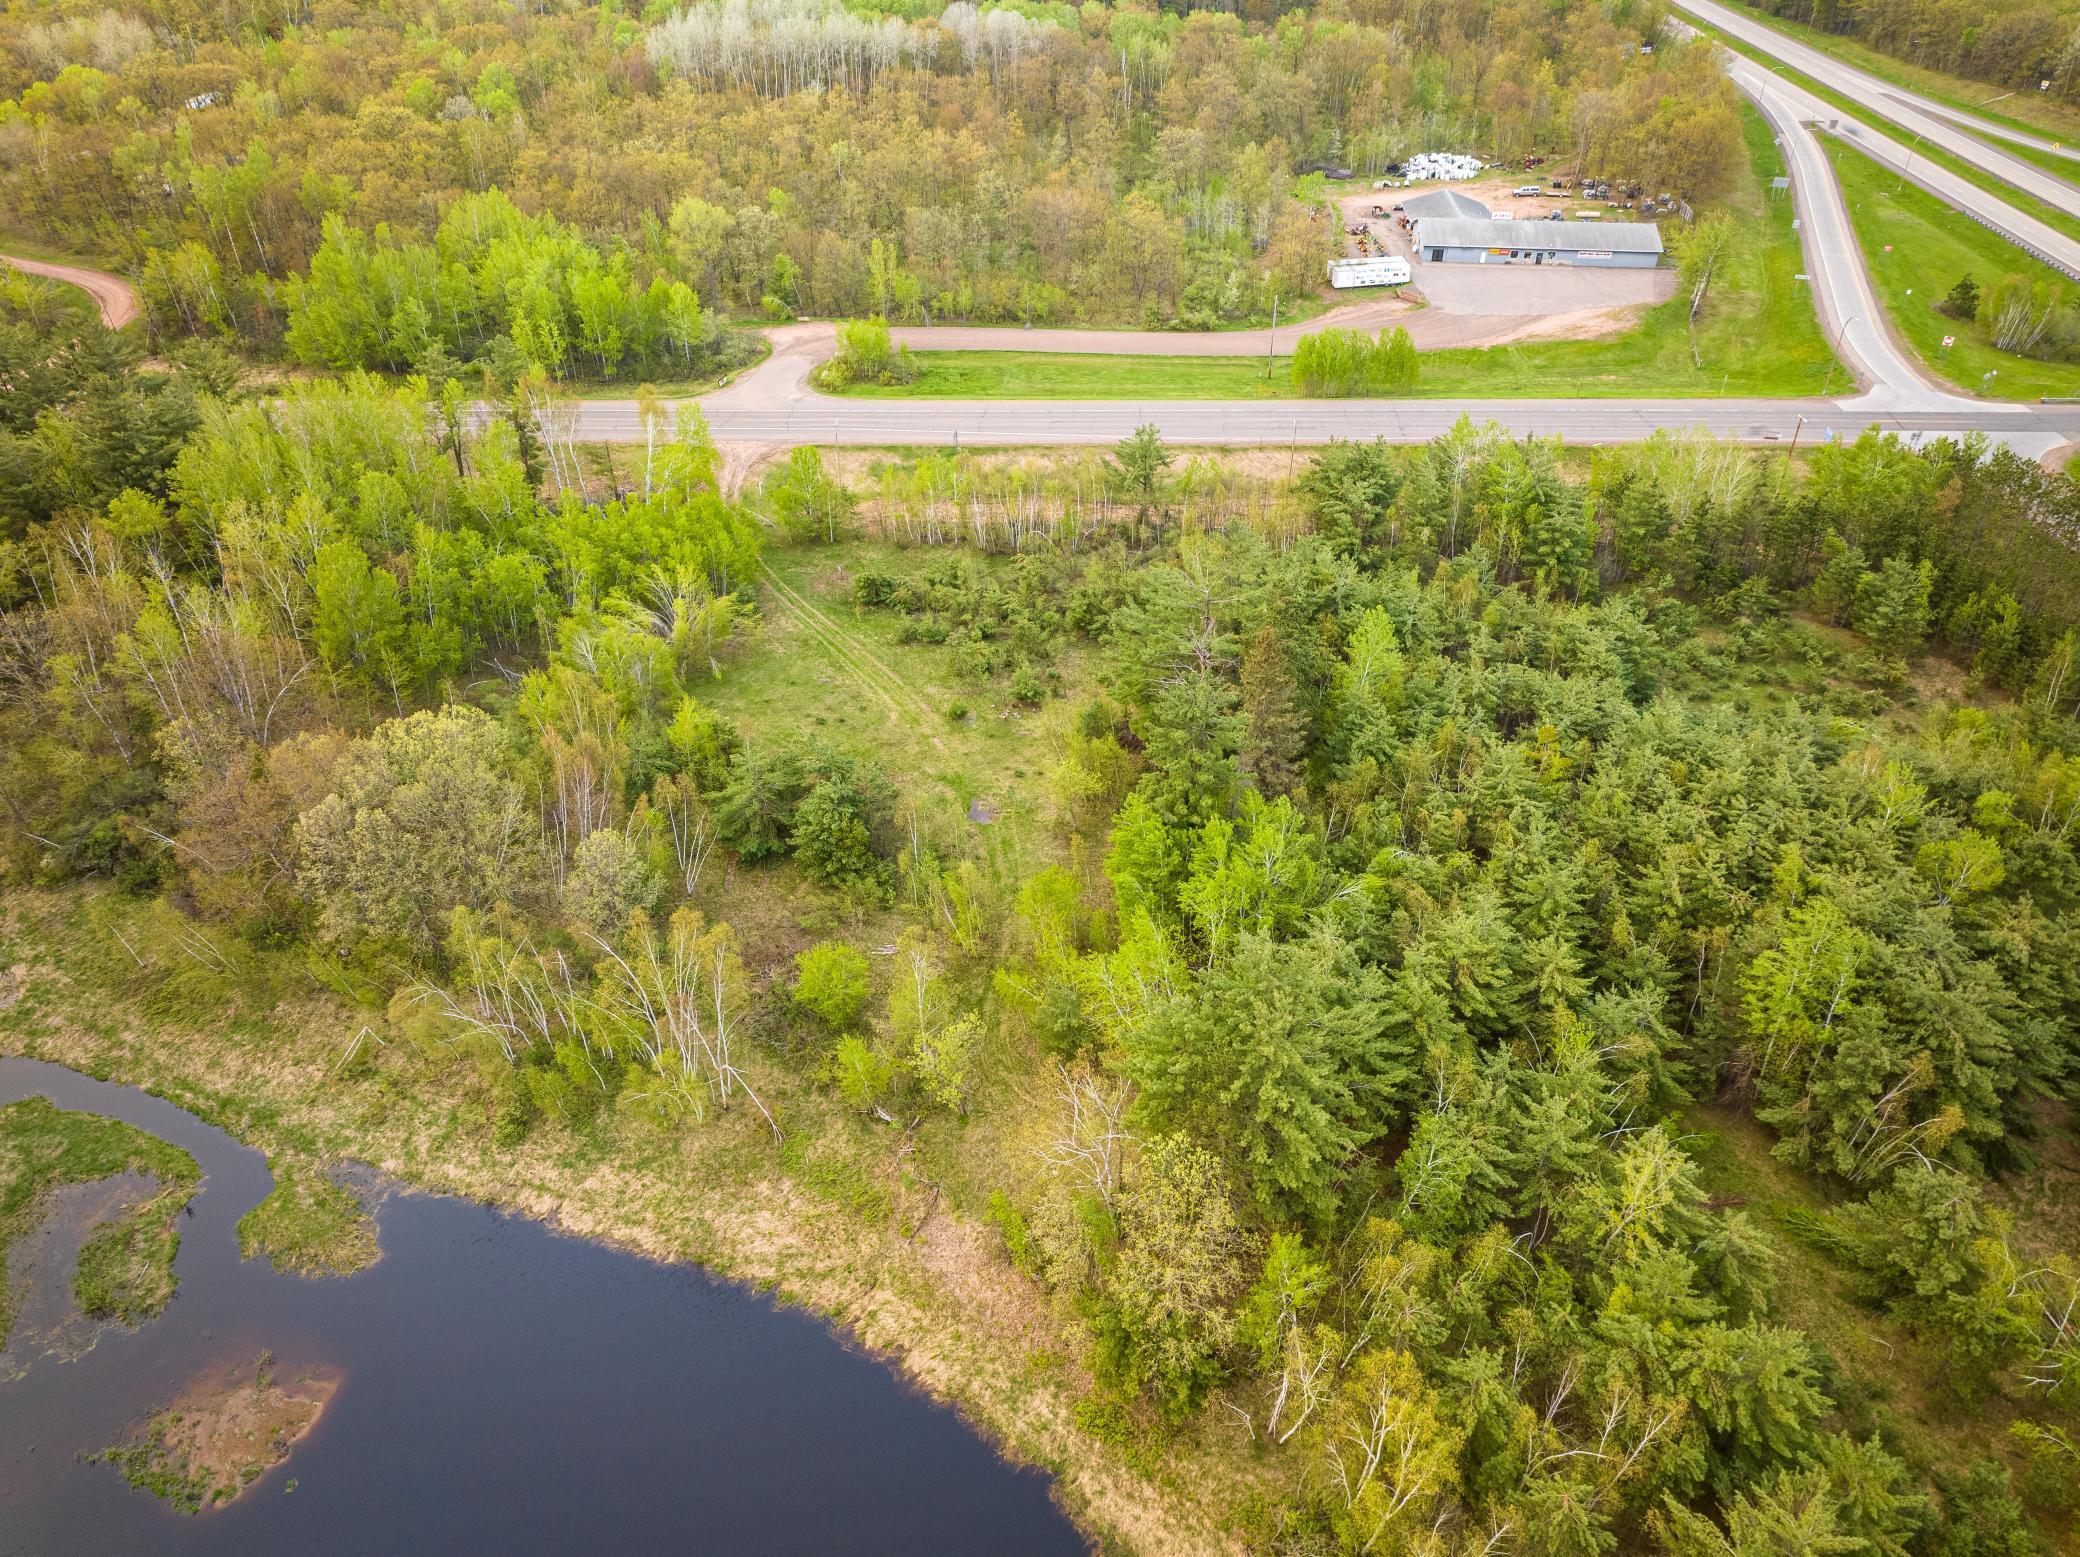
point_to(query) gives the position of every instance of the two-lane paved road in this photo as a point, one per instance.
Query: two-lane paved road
(2030, 430)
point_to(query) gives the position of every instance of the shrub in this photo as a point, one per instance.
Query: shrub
(1962, 301)
(862, 1074)
(1028, 686)
(1347, 362)
(832, 981)
(866, 356)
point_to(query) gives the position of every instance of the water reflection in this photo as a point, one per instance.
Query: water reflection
(502, 1389)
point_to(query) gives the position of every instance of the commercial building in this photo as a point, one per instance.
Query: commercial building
(1461, 240)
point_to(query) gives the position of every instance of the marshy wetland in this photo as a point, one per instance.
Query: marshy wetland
(484, 1384)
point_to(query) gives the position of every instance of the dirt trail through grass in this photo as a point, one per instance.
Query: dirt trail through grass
(866, 668)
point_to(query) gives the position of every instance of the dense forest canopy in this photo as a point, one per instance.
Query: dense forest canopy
(1039, 163)
(1427, 841)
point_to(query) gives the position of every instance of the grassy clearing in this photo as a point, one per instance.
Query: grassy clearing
(126, 1265)
(830, 671)
(2037, 113)
(1916, 248)
(1756, 337)
(309, 1226)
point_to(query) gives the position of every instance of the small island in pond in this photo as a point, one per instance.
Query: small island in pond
(223, 1433)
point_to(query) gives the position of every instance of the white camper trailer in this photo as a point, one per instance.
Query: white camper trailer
(1380, 270)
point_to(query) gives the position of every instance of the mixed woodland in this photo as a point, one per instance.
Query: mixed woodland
(598, 192)
(1506, 965)
(1475, 987)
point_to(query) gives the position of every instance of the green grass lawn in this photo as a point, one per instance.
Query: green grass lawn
(1917, 248)
(2038, 113)
(820, 668)
(1757, 336)
(2021, 199)
(1041, 375)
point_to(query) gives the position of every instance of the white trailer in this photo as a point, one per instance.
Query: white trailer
(1383, 270)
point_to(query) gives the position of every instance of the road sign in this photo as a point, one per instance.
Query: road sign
(1949, 341)
(1801, 276)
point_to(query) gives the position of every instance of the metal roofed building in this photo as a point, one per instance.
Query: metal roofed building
(1443, 202)
(1458, 240)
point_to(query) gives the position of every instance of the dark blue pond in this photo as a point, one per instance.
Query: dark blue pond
(503, 1390)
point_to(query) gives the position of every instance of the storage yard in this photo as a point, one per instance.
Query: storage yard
(1578, 279)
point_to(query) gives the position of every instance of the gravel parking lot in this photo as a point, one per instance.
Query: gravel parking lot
(1539, 289)
(1526, 291)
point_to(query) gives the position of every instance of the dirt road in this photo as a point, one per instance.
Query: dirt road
(1443, 324)
(114, 296)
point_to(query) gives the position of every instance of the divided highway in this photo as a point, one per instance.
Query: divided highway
(1902, 157)
(1939, 126)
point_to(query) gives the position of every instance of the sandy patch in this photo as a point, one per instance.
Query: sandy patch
(224, 1432)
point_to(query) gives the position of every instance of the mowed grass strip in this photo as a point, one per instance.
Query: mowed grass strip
(1917, 249)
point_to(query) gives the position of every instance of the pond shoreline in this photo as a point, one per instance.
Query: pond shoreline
(733, 1362)
(564, 1218)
